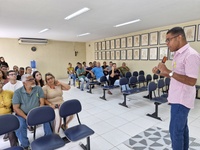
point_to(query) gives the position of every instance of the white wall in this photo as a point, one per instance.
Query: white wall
(52, 57)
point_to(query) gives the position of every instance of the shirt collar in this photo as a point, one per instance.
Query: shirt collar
(24, 90)
(182, 49)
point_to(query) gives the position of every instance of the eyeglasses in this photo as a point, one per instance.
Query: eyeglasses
(49, 78)
(29, 80)
(169, 39)
(12, 74)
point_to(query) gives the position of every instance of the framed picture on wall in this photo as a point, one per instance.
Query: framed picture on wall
(162, 37)
(190, 33)
(117, 43)
(129, 54)
(112, 43)
(123, 54)
(171, 55)
(153, 38)
(123, 42)
(96, 55)
(99, 55)
(112, 55)
(144, 54)
(117, 55)
(107, 45)
(198, 34)
(145, 39)
(103, 57)
(108, 55)
(95, 46)
(136, 40)
(103, 44)
(136, 54)
(99, 45)
(163, 51)
(130, 41)
(153, 53)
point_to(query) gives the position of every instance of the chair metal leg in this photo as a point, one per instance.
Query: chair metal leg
(90, 89)
(197, 94)
(155, 114)
(124, 102)
(87, 146)
(104, 95)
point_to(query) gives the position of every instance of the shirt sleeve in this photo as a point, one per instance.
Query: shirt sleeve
(16, 98)
(192, 65)
(40, 92)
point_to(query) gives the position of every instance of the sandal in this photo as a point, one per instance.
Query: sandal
(63, 127)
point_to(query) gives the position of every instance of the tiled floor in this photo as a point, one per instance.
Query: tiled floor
(114, 124)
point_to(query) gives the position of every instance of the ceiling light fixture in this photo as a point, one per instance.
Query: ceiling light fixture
(83, 34)
(126, 23)
(79, 12)
(44, 30)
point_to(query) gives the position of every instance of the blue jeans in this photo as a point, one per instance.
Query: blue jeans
(73, 77)
(178, 127)
(21, 133)
(82, 82)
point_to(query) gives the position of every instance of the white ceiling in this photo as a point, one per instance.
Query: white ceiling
(25, 18)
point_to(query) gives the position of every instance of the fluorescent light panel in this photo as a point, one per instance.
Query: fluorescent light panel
(126, 23)
(84, 34)
(44, 30)
(79, 12)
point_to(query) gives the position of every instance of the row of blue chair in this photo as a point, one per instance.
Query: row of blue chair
(46, 114)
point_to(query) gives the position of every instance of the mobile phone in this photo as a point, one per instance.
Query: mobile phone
(56, 105)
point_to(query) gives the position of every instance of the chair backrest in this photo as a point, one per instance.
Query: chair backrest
(128, 75)
(161, 83)
(155, 77)
(70, 107)
(148, 77)
(167, 81)
(141, 72)
(162, 77)
(123, 81)
(8, 123)
(152, 86)
(135, 73)
(103, 79)
(133, 80)
(89, 76)
(141, 78)
(40, 115)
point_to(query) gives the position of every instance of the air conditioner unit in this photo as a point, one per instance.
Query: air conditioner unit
(32, 41)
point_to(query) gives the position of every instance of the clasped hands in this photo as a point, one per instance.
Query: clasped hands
(162, 67)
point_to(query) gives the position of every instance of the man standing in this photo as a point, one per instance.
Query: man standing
(26, 98)
(184, 74)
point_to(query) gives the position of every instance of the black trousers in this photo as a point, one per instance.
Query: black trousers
(13, 139)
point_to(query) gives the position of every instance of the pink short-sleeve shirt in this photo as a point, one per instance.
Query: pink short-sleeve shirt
(186, 62)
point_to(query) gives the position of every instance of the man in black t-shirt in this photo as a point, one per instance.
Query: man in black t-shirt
(104, 68)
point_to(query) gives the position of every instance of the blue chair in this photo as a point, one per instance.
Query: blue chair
(157, 100)
(133, 81)
(167, 83)
(197, 90)
(9, 123)
(141, 80)
(155, 77)
(41, 115)
(128, 75)
(148, 79)
(141, 72)
(79, 131)
(135, 73)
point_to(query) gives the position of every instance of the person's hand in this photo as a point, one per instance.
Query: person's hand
(163, 69)
(155, 70)
(57, 83)
(113, 68)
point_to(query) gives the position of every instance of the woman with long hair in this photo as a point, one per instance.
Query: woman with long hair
(3, 78)
(53, 94)
(38, 78)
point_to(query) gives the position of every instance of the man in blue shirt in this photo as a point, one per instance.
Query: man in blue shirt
(97, 72)
(26, 98)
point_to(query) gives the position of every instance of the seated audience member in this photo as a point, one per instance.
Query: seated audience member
(38, 78)
(71, 73)
(21, 73)
(94, 63)
(54, 97)
(4, 69)
(4, 63)
(89, 68)
(82, 78)
(16, 69)
(5, 108)
(28, 70)
(76, 66)
(84, 65)
(123, 69)
(114, 76)
(97, 72)
(26, 98)
(3, 78)
(109, 68)
(104, 68)
(13, 83)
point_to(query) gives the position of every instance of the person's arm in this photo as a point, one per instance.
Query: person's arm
(112, 73)
(63, 85)
(18, 111)
(42, 101)
(127, 68)
(181, 78)
(92, 73)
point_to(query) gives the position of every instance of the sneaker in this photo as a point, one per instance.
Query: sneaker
(31, 129)
(5, 138)
(82, 90)
(109, 92)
